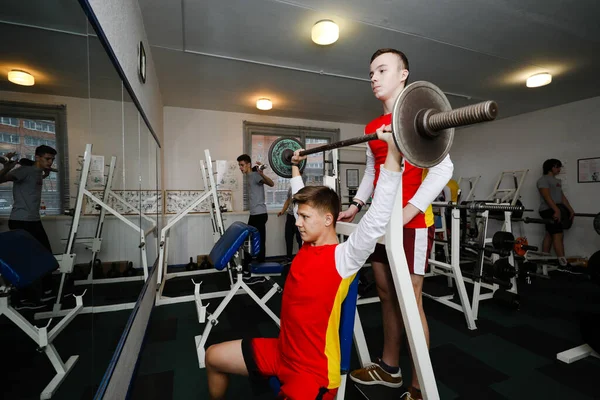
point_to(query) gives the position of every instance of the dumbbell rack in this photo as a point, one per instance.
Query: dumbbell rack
(493, 287)
(210, 194)
(473, 181)
(97, 239)
(505, 195)
(67, 259)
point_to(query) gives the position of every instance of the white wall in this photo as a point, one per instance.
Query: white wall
(187, 133)
(123, 25)
(568, 132)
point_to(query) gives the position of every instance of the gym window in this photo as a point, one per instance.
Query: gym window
(23, 127)
(257, 141)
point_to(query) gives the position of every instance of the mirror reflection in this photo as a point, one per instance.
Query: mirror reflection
(78, 202)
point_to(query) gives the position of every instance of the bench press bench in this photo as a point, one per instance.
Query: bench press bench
(228, 253)
(23, 261)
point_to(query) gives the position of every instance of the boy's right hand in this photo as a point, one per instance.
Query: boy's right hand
(384, 132)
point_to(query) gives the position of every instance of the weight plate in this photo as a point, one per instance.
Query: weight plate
(420, 150)
(280, 156)
(503, 240)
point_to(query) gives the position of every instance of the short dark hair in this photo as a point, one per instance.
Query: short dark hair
(400, 54)
(43, 149)
(245, 157)
(551, 163)
(322, 198)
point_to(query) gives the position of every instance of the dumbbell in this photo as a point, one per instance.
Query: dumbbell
(191, 265)
(506, 241)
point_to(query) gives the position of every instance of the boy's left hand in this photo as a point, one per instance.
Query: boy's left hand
(297, 158)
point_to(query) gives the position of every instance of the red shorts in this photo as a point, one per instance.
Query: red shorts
(263, 360)
(417, 247)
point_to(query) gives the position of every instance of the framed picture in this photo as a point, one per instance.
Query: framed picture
(142, 63)
(352, 178)
(588, 170)
(149, 202)
(177, 200)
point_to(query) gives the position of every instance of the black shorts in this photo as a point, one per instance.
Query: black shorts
(555, 227)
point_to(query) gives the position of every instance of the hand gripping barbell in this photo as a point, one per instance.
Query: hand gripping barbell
(423, 125)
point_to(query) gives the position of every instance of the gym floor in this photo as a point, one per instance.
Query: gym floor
(512, 354)
(94, 337)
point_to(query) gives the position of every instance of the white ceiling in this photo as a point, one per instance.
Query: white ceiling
(224, 54)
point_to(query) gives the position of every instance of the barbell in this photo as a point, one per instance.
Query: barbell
(565, 220)
(423, 125)
(506, 241)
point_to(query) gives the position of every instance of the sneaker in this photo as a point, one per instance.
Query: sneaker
(373, 374)
(412, 394)
(29, 305)
(569, 269)
(251, 280)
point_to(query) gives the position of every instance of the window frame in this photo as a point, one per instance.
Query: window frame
(57, 113)
(279, 130)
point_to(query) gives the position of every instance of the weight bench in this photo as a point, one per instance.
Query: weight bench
(228, 253)
(346, 335)
(23, 261)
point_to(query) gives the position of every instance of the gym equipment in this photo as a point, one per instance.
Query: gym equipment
(590, 268)
(564, 219)
(210, 195)
(205, 264)
(472, 181)
(522, 246)
(23, 161)
(280, 156)
(97, 274)
(567, 222)
(23, 261)
(192, 266)
(507, 195)
(481, 206)
(591, 337)
(423, 125)
(261, 167)
(227, 253)
(506, 241)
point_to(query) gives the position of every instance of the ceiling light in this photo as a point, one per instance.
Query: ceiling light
(325, 32)
(538, 80)
(264, 104)
(21, 78)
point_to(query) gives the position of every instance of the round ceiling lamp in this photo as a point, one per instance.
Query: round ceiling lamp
(538, 80)
(325, 32)
(264, 104)
(19, 77)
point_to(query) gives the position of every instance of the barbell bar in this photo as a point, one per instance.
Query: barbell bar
(565, 220)
(481, 206)
(423, 125)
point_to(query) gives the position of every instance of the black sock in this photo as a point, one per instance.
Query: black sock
(387, 368)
